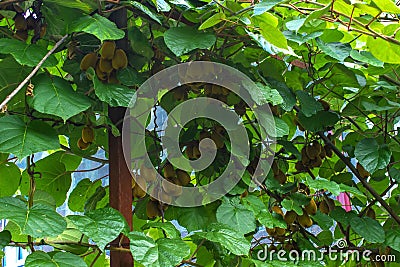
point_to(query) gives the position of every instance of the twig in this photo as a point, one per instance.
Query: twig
(10, 96)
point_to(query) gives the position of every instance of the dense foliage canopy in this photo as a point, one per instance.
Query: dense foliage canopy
(328, 69)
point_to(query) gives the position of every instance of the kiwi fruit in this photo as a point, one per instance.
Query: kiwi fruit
(82, 145)
(305, 220)
(196, 152)
(173, 189)
(88, 134)
(280, 177)
(89, 60)
(300, 167)
(101, 75)
(324, 104)
(305, 160)
(189, 151)
(363, 172)
(43, 30)
(317, 162)
(274, 110)
(31, 23)
(270, 231)
(139, 191)
(371, 213)
(313, 150)
(21, 35)
(20, 23)
(152, 209)
(322, 154)
(105, 65)
(311, 208)
(179, 94)
(277, 209)
(169, 171)
(280, 231)
(328, 151)
(148, 174)
(183, 177)
(119, 60)
(290, 217)
(108, 50)
(218, 141)
(219, 130)
(324, 207)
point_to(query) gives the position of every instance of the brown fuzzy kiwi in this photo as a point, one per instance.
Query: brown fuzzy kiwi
(20, 23)
(271, 231)
(172, 187)
(280, 231)
(313, 150)
(196, 152)
(218, 141)
(183, 177)
(325, 104)
(274, 110)
(139, 191)
(322, 154)
(324, 207)
(317, 162)
(280, 177)
(363, 172)
(180, 94)
(31, 23)
(148, 174)
(311, 208)
(88, 134)
(108, 50)
(328, 151)
(290, 217)
(101, 75)
(300, 167)
(216, 89)
(89, 60)
(189, 151)
(277, 209)
(219, 130)
(169, 171)
(371, 213)
(105, 65)
(21, 35)
(152, 209)
(305, 220)
(305, 160)
(82, 145)
(119, 60)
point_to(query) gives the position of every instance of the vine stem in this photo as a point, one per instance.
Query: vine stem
(24, 82)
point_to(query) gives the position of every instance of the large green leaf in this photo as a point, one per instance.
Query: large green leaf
(5, 238)
(145, 10)
(383, 50)
(81, 193)
(229, 238)
(387, 6)
(264, 6)
(160, 253)
(169, 229)
(102, 225)
(338, 51)
(116, 95)
(10, 176)
(273, 35)
(55, 96)
(84, 6)
(23, 139)
(59, 259)
(236, 215)
(70, 235)
(393, 239)
(372, 155)
(368, 228)
(309, 106)
(38, 221)
(318, 121)
(193, 218)
(181, 40)
(321, 183)
(26, 54)
(99, 26)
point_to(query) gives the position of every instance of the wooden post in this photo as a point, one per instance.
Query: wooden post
(120, 177)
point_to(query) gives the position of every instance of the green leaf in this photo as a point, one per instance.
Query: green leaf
(318, 121)
(160, 253)
(229, 238)
(384, 50)
(273, 35)
(371, 155)
(10, 176)
(338, 51)
(168, 227)
(369, 229)
(102, 225)
(193, 218)
(309, 106)
(99, 26)
(270, 220)
(289, 204)
(393, 239)
(5, 238)
(182, 40)
(264, 6)
(26, 54)
(321, 183)
(23, 139)
(211, 21)
(70, 235)
(59, 259)
(232, 213)
(395, 174)
(55, 96)
(115, 95)
(81, 193)
(366, 57)
(387, 6)
(38, 221)
(145, 10)
(78, 4)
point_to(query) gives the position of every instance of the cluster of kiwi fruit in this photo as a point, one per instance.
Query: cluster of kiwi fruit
(86, 139)
(216, 134)
(312, 155)
(23, 25)
(165, 190)
(106, 63)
